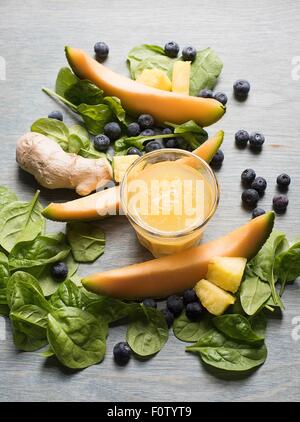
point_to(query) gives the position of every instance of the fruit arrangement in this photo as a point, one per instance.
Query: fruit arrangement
(217, 295)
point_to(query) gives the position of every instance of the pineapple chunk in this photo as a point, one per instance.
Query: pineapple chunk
(181, 77)
(226, 272)
(214, 299)
(120, 164)
(155, 78)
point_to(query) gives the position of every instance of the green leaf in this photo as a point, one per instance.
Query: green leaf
(6, 196)
(90, 152)
(254, 293)
(218, 351)
(76, 144)
(76, 337)
(148, 332)
(4, 310)
(263, 263)
(53, 129)
(287, 265)
(46, 281)
(125, 142)
(87, 241)
(65, 79)
(237, 327)
(148, 56)
(80, 131)
(193, 134)
(83, 92)
(67, 294)
(186, 330)
(205, 70)
(4, 277)
(25, 341)
(45, 249)
(110, 309)
(116, 108)
(95, 117)
(24, 289)
(20, 221)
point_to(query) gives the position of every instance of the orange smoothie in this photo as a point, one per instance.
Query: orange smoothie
(168, 201)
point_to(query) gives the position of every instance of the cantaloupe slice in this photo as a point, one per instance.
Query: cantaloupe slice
(214, 299)
(181, 77)
(226, 272)
(155, 78)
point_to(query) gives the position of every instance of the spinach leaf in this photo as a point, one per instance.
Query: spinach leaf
(4, 310)
(76, 337)
(263, 263)
(24, 289)
(6, 196)
(254, 293)
(42, 250)
(287, 266)
(125, 142)
(29, 327)
(186, 330)
(87, 241)
(76, 144)
(148, 56)
(205, 70)
(4, 276)
(237, 327)
(148, 331)
(117, 109)
(53, 129)
(20, 221)
(80, 131)
(83, 92)
(95, 117)
(46, 280)
(110, 309)
(65, 79)
(218, 351)
(67, 294)
(90, 152)
(193, 134)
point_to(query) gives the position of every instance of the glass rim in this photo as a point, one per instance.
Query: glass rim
(167, 234)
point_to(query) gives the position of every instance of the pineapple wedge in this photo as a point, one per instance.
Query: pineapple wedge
(214, 299)
(226, 272)
(120, 164)
(181, 77)
(155, 78)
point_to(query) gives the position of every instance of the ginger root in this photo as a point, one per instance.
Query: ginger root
(54, 168)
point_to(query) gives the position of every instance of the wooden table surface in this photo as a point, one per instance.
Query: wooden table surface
(256, 40)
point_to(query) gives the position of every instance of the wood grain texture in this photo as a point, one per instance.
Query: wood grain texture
(257, 41)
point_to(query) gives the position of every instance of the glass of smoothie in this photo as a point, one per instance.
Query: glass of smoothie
(169, 195)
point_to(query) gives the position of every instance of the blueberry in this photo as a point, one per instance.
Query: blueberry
(133, 129)
(167, 131)
(280, 203)
(250, 197)
(112, 130)
(194, 311)
(101, 50)
(175, 304)
(259, 184)
(101, 143)
(57, 115)
(145, 121)
(206, 93)
(170, 143)
(248, 176)
(59, 271)
(180, 142)
(169, 317)
(283, 181)
(122, 353)
(256, 140)
(241, 138)
(221, 97)
(134, 151)
(241, 88)
(171, 49)
(147, 132)
(217, 159)
(152, 146)
(257, 212)
(149, 303)
(189, 54)
(189, 296)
